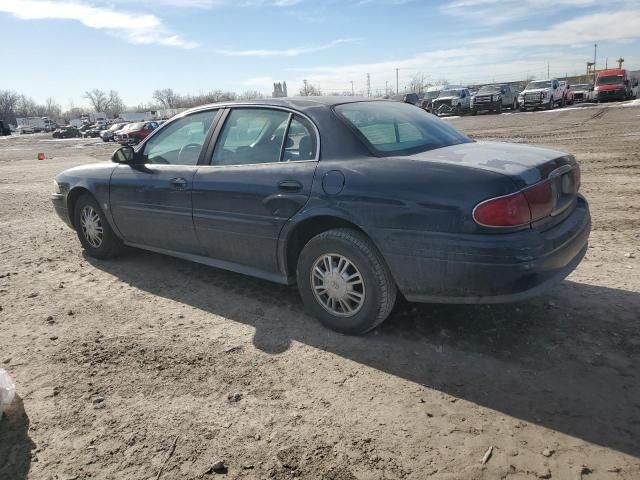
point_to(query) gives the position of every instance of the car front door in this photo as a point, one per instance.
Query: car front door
(260, 175)
(151, 197)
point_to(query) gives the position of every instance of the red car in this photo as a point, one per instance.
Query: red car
(136, 132)
(614, 84)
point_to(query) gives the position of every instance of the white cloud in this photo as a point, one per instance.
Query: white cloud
(494, 12)
(285, 52)
(612, 26)
(136, 28)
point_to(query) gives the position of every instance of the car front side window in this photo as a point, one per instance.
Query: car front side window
(250, 136)
(181, 141)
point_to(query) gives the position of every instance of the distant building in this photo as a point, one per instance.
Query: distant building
(279, 90)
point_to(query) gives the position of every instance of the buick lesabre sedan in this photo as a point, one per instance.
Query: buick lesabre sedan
(356, 201)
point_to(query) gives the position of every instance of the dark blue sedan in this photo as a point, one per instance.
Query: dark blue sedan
(357, 201)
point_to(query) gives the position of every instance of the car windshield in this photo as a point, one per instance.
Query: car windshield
(610, 80)
(393, 128)
(490, 89)
(450, 93)
(116, 126)
(432, 95)
(582, 86)
(540, 84)
(134, 126)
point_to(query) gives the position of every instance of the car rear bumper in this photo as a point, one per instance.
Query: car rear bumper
(449, 268)
(60, 206)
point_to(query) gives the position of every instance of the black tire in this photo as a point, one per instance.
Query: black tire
(379, 287)
(110, 246)
(522, 109)
(499, 108)
(562, 102)
(458, 110)
(514, 106)
(474, 111)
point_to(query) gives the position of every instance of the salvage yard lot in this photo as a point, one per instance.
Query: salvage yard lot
(114, 361)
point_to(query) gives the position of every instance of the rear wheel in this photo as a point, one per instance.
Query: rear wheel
(95, 233)
(344, 281)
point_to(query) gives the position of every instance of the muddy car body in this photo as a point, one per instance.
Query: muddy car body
(66, 132)
(455, 101)
(493, 98)
(353, 201)
(541, 94)
(582, 92)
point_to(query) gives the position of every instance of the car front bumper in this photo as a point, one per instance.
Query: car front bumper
(450, 268)
(60, 206)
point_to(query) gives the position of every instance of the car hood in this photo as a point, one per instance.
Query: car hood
(92, 170)
(609, 87)
(536, 90)
(446, 98)
(524, 164)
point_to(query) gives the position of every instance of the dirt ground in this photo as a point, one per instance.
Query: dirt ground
(552, 384)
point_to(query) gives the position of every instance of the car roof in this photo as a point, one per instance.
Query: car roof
(296, 103)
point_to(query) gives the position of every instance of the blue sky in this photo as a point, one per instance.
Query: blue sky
(62, 48)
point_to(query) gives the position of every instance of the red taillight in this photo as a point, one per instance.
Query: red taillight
(508, 211)
(517, 209)
(541, 200)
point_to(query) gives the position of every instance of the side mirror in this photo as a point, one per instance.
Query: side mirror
(124, 154)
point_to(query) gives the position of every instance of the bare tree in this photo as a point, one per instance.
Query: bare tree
(115, 106)
(309, 89)
(98, 99)
(418, 84)
(250, 95)
(52, 109)
(8, 102)
(166, 97)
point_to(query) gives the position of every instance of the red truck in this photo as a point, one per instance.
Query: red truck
(614, 84)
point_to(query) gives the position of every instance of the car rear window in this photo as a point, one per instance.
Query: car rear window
(391, 128)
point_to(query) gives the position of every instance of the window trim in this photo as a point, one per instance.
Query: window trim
(208, 158)
(139, 151)
(371, 148)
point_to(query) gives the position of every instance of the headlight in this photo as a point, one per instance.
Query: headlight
(498, 97)
(56, 187)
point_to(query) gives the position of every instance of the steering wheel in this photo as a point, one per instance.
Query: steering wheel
(186, 147)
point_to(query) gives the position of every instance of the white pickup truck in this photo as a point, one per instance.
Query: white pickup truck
(541, 94)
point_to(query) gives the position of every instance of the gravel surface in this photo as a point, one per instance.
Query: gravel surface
(149, 365)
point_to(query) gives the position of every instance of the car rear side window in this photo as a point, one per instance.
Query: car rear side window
(250, 136)
(391, 128)
(301, 141)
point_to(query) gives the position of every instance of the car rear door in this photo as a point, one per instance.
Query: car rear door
(151, 198)
(259, 175)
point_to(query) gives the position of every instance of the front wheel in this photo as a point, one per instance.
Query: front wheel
(499, 108)
(95, 233)
(344, 281)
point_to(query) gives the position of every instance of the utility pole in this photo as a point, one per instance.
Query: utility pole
(397, 83)
(606, 63)
(368, 85)
(386, 87)
(548, 74)
(352, 92)
(595, 51)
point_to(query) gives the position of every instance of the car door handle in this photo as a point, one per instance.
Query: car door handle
(179, 182)
(290, 186)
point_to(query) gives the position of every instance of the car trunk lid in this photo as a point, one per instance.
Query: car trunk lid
(535, 171)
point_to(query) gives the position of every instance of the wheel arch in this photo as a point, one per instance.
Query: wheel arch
(72, 198)
(297, 234)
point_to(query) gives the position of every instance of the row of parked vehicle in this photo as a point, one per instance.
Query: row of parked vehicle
(543, 94)
(124, 133)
